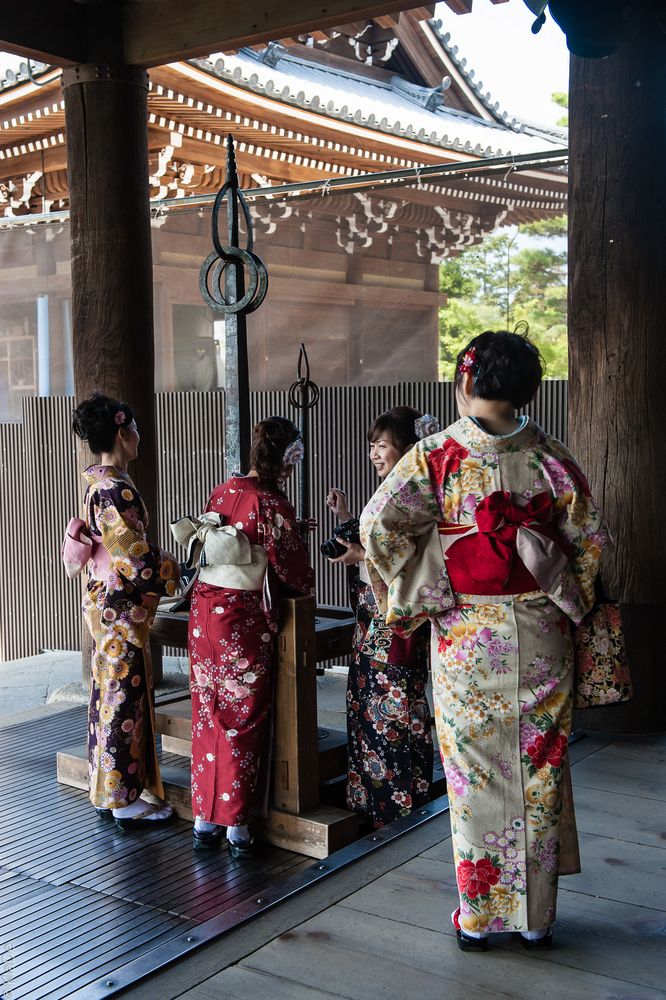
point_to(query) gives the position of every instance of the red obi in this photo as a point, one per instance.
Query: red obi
(513, 548)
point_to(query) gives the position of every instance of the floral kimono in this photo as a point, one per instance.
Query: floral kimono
(497, 540)
(119, 612)
(232, 647)
(388, 717)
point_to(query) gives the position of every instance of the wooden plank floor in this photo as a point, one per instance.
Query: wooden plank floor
(78, 898)
(392, 938)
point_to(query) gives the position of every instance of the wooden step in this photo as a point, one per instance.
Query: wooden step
(316, 833)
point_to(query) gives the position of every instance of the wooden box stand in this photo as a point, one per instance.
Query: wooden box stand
(296, 820)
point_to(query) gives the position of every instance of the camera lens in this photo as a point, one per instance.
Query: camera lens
(332, 549)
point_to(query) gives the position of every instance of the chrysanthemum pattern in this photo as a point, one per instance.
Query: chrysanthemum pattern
(119, 612)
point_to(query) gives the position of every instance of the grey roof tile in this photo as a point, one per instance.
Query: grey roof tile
(386, 106)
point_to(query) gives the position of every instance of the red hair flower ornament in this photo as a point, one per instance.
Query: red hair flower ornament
(468, 361)
(120, 417)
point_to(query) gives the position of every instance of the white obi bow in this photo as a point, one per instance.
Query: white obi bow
(222, 555)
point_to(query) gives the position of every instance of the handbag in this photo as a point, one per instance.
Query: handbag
(601, 669)
(79, 547)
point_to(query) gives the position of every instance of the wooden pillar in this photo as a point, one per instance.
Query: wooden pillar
(617, 305)
(295, 749)
(112, 295)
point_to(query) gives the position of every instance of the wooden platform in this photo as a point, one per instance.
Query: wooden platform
(78, 898)
(86, 910)
(316, 833)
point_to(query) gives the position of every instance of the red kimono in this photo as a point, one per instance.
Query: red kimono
(231, 645)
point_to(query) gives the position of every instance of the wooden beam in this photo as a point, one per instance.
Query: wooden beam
(53, 31)
(161, 31)
(460, 6)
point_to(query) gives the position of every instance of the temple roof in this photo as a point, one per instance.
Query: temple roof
(384, 102)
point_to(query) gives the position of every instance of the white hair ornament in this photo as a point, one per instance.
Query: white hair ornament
(294, 453)
(426, 425)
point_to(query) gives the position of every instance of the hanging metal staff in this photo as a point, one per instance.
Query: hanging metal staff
(243, 290)
(304, 395)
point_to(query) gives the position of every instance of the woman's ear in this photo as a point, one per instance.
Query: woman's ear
(468, 384)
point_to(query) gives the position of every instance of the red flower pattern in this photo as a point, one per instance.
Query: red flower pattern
(445, 461)
(476, 878)
(548, 749)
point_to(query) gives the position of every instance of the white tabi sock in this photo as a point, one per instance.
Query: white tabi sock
(143, 810)
(202, 826)
(238, 834)
(534, 935)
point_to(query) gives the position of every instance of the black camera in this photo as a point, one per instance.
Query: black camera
(348, 530)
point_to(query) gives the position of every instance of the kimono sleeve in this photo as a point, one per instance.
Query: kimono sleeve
(287, 554)
(580, 523)
(119, 515)
(404, 556)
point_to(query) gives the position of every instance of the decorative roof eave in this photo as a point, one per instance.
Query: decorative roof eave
(404, 142)
(298, 107)
(16, 87)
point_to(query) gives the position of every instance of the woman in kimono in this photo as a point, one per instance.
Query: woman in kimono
(232, 637)
(489, 530)
(389, 738)
(129, 576)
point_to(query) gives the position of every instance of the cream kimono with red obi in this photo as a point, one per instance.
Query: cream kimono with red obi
(497, 540)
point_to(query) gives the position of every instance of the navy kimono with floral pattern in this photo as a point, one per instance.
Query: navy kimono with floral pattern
(388, 717)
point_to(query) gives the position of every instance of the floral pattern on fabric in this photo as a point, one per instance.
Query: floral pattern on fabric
(502, 664)
(390, 747)
(119, 613)
(602, 670)
(232, 647)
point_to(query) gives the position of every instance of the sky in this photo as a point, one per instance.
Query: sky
(521, 70)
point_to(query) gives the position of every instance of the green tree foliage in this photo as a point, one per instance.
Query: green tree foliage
(562, 100)
(512, 276)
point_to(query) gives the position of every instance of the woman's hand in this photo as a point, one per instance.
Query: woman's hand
(306, 525)
(337, 500)
(355, 553)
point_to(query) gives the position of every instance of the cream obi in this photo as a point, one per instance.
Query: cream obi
(222, 554)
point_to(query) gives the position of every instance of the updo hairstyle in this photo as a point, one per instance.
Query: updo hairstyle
(504, 365)
(398, 425)
(94, 421)
(270, 440)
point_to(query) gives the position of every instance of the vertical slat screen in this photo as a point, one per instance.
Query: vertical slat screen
(13, 545)
(40, 488)
(190, 447)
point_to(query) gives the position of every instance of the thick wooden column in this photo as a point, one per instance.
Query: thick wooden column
(112, 293)
(617, 303)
